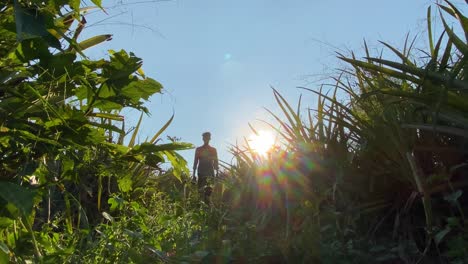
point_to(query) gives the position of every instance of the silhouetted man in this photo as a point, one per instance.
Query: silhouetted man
(206, 160)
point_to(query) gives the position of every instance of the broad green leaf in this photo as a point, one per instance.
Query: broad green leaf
(154, 160)
(178, 163)
(75, 4)
(86, 135)
(31, 49)
(125, 184)
(120, 149)
(59, 63)
(107, 105)
(19, 196)
(115, 203)
(141, 89)
(121, 66)
(53, 123)
(5, 222)
(68, 165)
(31, 23)
(107, 91)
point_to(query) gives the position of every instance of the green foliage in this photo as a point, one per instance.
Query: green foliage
(59, 113)
(21, 198)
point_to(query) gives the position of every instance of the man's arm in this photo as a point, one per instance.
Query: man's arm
(195, 162)
(215, 162)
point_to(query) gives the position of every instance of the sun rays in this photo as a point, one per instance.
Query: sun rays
(261, 142)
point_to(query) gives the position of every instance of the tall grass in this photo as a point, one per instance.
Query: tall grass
(377, 173)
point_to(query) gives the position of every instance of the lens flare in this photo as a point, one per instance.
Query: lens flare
(262, 142)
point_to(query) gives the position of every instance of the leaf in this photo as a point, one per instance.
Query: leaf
(429, 30)
(30, 23)
(135, 132)
(115, 203)
(98, 3)
(141, 89)
(178, 163)
(457, 14)
(108, 116)
(421, 73)
(453, 221)
(4, 258)
(121, 66)
(4, 248)
(161, 130)
(151, 148)
(453, 100)
(107, 105)
(154, 160)
(453, 197)
(68, 165)
(404, 58)
(5, 222)
(107, 127)
(125, 184)
(31, 49)
(59, 63)
(108, 216)
(460, 44)
(21, 197)
(441, 234)
(93, 41)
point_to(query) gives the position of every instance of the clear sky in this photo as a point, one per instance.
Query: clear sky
(217, 58)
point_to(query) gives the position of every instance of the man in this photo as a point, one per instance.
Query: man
(206, 160)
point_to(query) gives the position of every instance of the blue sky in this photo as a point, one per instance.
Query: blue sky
(217, 59)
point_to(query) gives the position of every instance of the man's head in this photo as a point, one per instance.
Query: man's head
(206, 137)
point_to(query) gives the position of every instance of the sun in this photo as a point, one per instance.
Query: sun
(261, 142)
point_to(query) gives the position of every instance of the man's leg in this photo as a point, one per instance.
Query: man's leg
(201, 185)
(208, 189)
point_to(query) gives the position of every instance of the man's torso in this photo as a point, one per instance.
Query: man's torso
(207, 157)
